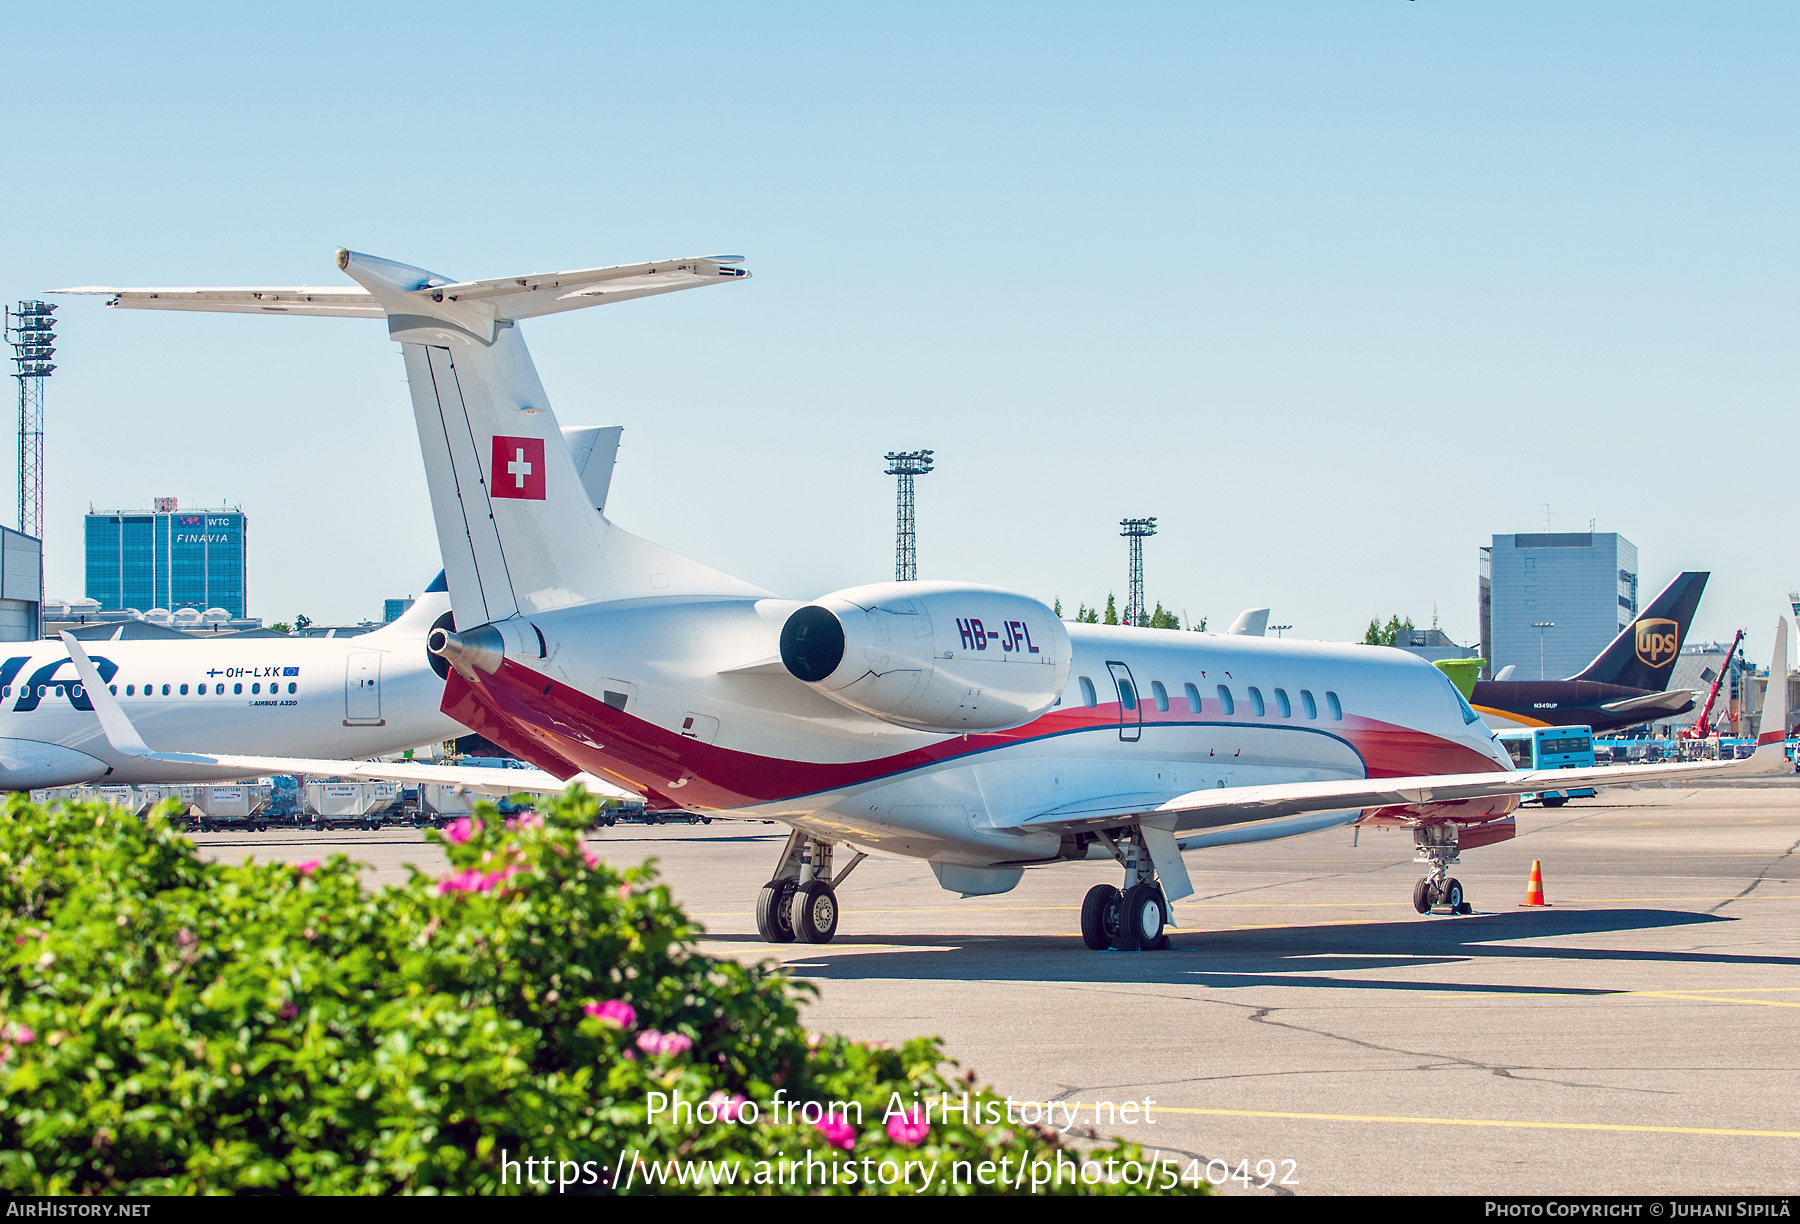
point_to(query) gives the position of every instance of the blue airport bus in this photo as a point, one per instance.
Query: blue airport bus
(1551, 748)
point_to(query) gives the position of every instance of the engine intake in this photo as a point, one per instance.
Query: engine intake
(936, 656)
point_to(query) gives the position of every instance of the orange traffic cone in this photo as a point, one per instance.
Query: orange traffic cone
(1534, 891)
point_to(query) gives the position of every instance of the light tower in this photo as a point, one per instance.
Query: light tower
(1541, 627)
(31, 331)
(1135, 530)
(906, 465)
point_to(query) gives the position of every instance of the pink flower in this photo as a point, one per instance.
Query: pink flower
(462, 881)
(289, 1011)
(590, 858)
(624, 892)
(652, 1042)
(729, 1107)
(459, 831)
(526, 821)
(308, 867)
(908, 1128)
(838, 1133)
(20, 1033)
(613, 1011)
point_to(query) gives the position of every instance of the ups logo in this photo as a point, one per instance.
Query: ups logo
(1656, 642)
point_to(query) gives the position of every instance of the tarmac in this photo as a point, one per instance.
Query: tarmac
(1636, 1036)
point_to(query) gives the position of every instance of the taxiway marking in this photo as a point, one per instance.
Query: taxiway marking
(1497, 1122)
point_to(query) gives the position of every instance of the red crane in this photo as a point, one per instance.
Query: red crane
(1702, 728)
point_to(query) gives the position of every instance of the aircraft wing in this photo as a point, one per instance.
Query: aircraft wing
(123, 736)
(351, 301)
(1673, 701)
(1247, 804)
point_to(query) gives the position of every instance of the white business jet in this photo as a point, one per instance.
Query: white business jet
(952, 722)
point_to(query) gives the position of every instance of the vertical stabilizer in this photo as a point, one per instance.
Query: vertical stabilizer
(1643, 655)
(517, 524)
(519, 531)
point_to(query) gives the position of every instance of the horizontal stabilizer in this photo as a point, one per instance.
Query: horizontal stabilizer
(401, 289)
(354, 302)
(1674, 702)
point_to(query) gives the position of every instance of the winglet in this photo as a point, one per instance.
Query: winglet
(113, 720)
(1771, 743)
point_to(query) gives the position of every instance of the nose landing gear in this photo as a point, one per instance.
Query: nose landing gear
(1438, 891)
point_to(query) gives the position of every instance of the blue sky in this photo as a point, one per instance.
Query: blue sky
(1334, 291)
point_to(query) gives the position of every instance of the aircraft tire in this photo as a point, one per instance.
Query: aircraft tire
(1100, 917)
(1422, 895)
(772, 911)
(1453, 895)
(815, 913)
(1142, 916)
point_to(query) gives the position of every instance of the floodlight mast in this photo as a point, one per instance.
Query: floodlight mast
(906, 465)
(31, 330)
(1136, 530)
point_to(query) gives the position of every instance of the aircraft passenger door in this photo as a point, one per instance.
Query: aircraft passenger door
(362, 689)
(1131, 710)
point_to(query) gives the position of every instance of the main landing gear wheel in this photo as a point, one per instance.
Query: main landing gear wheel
(1422, 895)
(1143, 916)
(1453, 897)
(772, 909)
(1100, 917)
(815, 913)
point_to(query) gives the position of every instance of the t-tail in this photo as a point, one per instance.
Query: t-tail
(1643, 655)
(520, 532)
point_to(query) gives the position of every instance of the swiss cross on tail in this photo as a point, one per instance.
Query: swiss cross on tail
(518, 468)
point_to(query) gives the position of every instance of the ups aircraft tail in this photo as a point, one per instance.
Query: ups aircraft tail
(519, 529)
(1643, 655)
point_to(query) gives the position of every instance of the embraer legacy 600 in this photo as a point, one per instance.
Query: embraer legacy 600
(953, 722)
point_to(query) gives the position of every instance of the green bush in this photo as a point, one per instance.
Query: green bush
(174, 1026)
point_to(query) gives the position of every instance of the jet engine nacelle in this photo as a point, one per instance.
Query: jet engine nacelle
(938, 656)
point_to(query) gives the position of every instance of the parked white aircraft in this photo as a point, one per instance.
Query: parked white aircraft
(954, 722)
(359, 696)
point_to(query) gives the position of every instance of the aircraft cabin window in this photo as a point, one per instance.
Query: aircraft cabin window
(1308, 704)
(1332, 704)
(184, 690)
(255, 689)
(236, 689)
(293, 688)
(166, 690)
(1193, 696)
(1225, 703)
(113, 689)
(1160, 693)
(1256, 701)
(218, 690)
(1127, 695)
(131, 690)
(1283, 704)
(1088, 698)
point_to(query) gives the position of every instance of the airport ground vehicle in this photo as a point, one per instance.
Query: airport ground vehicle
(1543, 748)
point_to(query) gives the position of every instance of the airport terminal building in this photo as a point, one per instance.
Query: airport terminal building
(168, 558)
(1551, 601)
